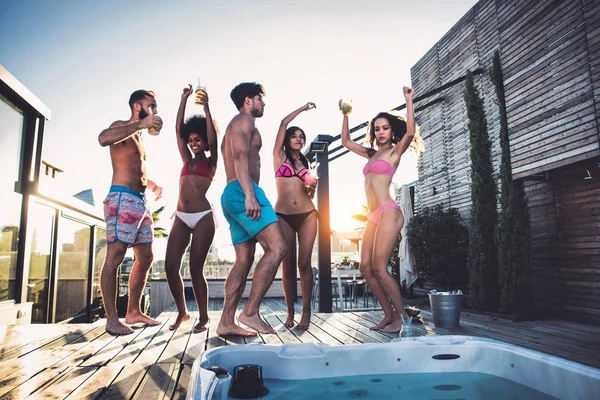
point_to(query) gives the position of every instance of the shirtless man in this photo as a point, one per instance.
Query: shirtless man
(250, 215)
(128, 219)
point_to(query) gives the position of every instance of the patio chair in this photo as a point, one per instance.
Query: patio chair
(334, 289)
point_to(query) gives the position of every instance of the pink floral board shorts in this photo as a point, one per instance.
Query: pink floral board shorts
(127, 217)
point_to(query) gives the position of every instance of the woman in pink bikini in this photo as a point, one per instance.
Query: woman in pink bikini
(193, 217)
(296, 212)
(392, 137)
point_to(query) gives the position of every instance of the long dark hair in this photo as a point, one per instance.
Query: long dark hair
(288, 134)
(397, 124)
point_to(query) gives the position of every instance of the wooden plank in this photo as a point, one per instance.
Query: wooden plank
(97, 384)
(339, 331)
(21, 370)
(40, 358)
(89, 348)
(283, 333)
(66, 383)
(32, 339)
(108, 352)
(303, 336)
(153, 350)
(583, 136)
(371, 336)
(183, 382)
(159, 382)
(132, 351)
(197, 343)
(175, 348)
(322, 334)
(541, 89)
(33, 383)
(561, 24)
(126, 382)
(570, 159)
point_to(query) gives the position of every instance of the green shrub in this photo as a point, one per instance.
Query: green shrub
(513, 230)
(439, 240)
(483, 256)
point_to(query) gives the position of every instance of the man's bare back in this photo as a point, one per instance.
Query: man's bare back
(242, 124)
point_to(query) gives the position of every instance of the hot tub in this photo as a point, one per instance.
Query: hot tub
(429, 367)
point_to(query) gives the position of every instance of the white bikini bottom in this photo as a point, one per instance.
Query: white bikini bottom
(191, 219)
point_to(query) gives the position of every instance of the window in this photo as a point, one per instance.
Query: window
(39, 243)
(73, 251)
(11, 132)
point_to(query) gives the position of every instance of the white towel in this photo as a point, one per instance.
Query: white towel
(408, 274)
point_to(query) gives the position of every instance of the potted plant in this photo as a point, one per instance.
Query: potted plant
(439, 240)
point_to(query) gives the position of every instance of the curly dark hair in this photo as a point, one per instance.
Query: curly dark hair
(194, 124)
(397, 124)
(288, 134)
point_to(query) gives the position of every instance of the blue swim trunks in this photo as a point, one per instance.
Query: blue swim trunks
(243, 228)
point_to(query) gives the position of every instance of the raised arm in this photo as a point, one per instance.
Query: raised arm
(278, 153)
(211, 133)
(406, 140)
(348, 142)
(121, 130)
(240, 135)
(184, 152)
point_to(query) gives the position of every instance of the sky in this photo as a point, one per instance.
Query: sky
(83, 59)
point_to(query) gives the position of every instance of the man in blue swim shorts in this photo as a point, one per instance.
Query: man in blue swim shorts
(128, 219)
(250, 215)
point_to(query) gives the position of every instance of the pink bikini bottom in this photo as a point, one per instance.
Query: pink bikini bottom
(375, 216)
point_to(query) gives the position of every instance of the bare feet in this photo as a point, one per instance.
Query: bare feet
(179, 320)
(385, 321)
(139, 318)
(233, 329)
(304, 323)
(116, 328)
(201, 325)
(255, 322)
(394, 327)
(289, 321)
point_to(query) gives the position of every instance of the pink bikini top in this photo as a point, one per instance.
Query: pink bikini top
(200, 169)
(286, 170)
(379, 167)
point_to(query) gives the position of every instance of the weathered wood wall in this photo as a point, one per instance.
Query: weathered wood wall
(551, 62)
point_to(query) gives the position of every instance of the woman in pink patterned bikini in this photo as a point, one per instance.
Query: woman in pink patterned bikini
(193, 217)
(392, 136)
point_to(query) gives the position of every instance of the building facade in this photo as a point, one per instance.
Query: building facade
(550, 52)
(52, 246)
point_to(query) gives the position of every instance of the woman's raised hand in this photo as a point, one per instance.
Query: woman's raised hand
(186, 92)
(309, 106)
(408, 93)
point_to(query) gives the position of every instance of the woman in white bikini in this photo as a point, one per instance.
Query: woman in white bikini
(296, 212)
(392, 136)
(193, 217)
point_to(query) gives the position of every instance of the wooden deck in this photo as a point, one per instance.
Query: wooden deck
(83, 361)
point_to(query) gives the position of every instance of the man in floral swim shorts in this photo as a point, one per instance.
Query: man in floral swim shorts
(128, 219)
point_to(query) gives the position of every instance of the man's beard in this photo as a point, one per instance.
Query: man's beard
(143, 114)
(257, 113)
